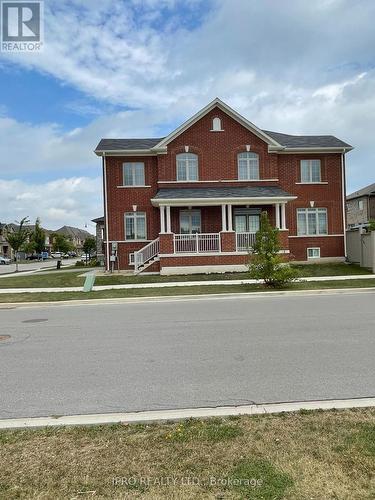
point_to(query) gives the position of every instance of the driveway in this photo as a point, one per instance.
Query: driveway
(185, 353)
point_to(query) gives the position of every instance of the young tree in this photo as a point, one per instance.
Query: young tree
(266, 262)
(38, 237)
(89, 246)
(18, 237)
(61, 243)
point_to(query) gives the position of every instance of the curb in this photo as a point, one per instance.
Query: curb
(203, 296)
(185, 413)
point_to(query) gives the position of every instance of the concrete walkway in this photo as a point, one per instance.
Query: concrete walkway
(170, 284)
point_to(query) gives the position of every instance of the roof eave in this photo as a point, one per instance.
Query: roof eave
(250, 200)
(316, 149)
(125, 152)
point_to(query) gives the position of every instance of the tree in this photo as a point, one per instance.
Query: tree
(18, 237)
(266, 262)
(38, 237)
(61, 243)
(371, 226)
(89, 245)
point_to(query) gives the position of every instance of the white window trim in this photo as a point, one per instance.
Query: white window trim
(312, 248)
(133, 173)
(316, 209)
(248, 161)
(127, 214)
(187, 168)
(216, 129)
(134, 186)
(310, 171)
(131, 259)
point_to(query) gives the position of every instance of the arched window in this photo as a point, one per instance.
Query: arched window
(187, 167)
(216, 124)
(248, 166)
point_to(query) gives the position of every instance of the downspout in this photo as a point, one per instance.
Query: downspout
(343, 188)
(106, 212)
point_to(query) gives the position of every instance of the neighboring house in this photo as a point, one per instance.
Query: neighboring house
(99, 225)
(5, 248)
(360, 206)
(75, 235)
(191, 201)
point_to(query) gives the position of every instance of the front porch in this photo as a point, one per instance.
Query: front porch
(197, 230)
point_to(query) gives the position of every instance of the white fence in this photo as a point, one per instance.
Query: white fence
(360, 247)
(245, 241)
(196, 243)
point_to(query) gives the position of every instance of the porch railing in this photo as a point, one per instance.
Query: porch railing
(145, 254)
(196, 243)
(245, 241)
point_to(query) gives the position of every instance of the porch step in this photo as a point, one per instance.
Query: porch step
(142, 267)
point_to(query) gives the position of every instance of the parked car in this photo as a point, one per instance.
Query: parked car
(4, 260)
(34, 256)
(72, 254)
(56, 255)
(86, 257)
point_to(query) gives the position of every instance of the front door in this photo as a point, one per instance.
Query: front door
(190, 221)
(246, 221)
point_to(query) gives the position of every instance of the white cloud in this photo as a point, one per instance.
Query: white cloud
(67, 201)
(292, 66)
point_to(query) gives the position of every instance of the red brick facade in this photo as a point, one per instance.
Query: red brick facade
(217, 159)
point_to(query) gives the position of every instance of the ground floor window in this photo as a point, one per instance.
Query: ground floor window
(190, 221)
(135, 226)
(313, 253)
(312, 221)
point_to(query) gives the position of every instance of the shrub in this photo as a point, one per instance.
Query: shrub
(265, 262)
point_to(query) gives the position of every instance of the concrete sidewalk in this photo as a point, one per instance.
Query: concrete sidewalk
(170, 284)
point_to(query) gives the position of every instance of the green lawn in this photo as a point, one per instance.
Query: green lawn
(62, 279)
(173, 291)
(299, 456)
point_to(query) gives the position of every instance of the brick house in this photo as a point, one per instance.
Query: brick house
(191, 201)
(360, 206)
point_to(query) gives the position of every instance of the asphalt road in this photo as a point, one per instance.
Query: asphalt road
(177, 354)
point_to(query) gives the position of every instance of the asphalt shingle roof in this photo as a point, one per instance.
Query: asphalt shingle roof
(366, 191)
(289, 141)
(126, 144)
(221, 192)
(308, 141)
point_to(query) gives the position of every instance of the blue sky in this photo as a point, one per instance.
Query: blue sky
(141, 67)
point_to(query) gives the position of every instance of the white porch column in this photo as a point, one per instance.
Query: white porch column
(223, 217)
(277, 211)
(162, 218)
(168, 219)
(230, 222)
(283, 221)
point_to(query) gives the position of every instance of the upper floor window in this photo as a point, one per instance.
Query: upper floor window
(135, 226)
(216, 124)
(187, 167)
(310, 171)
(248, 166)
(134, 174)
(312, 221)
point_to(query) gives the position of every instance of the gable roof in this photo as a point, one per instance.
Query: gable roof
(366, 191)
(73, 232)
(276, 141)
(229, 111)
